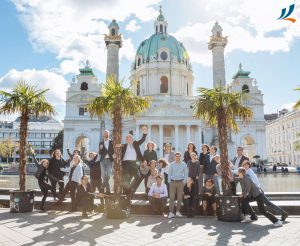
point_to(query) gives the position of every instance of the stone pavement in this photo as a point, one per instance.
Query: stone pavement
(63, 228)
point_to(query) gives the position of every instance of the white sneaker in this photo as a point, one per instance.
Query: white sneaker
(171, 215)
(178, 214)
(278, 223)
(247, 219)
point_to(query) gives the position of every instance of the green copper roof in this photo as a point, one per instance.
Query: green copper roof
(241, 73)
(86, 71)
(149, 48)
(113, 23)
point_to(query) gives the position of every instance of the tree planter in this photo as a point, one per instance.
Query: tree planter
(229, 208)
(21, 201)
(117, 207)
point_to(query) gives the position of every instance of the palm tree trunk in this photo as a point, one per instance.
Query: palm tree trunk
(117, 138)
(22, 151)
(223, 135)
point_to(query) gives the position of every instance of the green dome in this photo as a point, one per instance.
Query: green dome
(150, 47)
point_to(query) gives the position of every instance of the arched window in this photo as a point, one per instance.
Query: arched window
(218, 34)
(138, 88)
(156, 29)
(84, 86)
(139, 61)
(113, 32)
(165, 29)
(245, 88)
(164, 86)
(161, 28)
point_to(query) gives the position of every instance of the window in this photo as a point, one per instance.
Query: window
(161, 28)
(82, 111)
(245, 88)
(156, 29)
(113, 32)
(164, 87)
(139, 61)
(218, 34)
(84, 86)
(138, 88)
(164, 55)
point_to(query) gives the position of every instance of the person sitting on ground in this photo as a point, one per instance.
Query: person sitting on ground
(190, 197)
(164, 171)
(250, 173)
(74, 179)
(152, 176)
(250, 193)
(84, 198)
(42, 174)
(208, 193)
(158, 196)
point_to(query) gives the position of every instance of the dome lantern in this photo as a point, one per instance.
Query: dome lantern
(160, 25)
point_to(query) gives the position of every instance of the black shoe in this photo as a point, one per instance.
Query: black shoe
(284, 216)
(254, 218)
(42, 210)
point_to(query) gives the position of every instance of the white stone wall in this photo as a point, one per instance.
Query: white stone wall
(218, 65)
(281, 134)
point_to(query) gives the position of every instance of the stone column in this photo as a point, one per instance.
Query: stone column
(149, 132)
(176, 137)
(199, 137)
(137, 132)
(188, 133)
(161, 139)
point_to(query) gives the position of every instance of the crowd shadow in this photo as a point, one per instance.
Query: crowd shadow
(70, 228)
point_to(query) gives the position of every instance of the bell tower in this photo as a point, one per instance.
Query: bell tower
(217, 45)
(113, 43)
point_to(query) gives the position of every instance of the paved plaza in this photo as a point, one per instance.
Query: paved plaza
(63, 228)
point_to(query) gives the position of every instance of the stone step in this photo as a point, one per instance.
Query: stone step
(143, 207)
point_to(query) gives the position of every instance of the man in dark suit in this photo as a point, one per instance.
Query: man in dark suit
(210, 167)
(130, 154)
(106, 151)
(239, 159)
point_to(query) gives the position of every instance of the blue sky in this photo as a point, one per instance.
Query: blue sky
(45, 42)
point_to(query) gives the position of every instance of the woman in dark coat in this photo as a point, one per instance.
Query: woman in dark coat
(191, 148)
(43, 175)
(55, 165)
(84, 198)
(190, 197)
(149, 155)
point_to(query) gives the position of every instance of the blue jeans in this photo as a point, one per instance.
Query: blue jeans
(106, 167)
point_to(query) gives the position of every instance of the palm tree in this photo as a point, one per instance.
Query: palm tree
(117, 102)
(221, 108)
(297, 105)
(27, 101)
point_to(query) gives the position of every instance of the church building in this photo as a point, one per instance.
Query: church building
(163, 71)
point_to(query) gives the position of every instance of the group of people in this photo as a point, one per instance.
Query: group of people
(190, 178)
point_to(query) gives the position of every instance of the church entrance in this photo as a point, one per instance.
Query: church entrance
(249, 147)
(82, 144)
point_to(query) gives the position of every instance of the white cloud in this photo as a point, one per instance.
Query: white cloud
(132, 26)
(252, 26)
(73, 30)
(43, 79)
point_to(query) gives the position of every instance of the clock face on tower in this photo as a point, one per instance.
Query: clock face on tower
(164, 55)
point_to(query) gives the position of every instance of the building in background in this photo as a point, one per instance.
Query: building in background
(281, 136)
(41, 132)
(163, 71)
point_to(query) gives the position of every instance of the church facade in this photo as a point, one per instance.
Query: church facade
(162, 70)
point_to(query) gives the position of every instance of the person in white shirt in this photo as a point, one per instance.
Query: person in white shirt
(158, 196)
